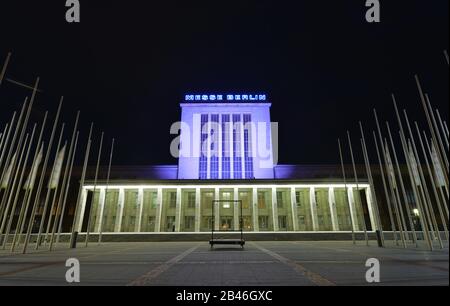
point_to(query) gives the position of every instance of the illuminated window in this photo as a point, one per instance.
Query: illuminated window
(280, 199)
(282, 222)
(191, 200)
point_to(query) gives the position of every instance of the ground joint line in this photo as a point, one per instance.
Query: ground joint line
(151, 275)
(313, 277)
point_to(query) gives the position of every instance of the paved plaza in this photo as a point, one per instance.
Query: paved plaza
(194, 264)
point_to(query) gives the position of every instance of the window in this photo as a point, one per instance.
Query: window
(261, 200)
(282, 222)
(248, 147)
(214, 147)
(154, 200)
(203, 166)
(170, 223)
(237, 159)
(189, 222)
(151, 221)
(172, 200)
(298, 199)
(263, 222)
(191, 200)
(301, 220)
(280, 199)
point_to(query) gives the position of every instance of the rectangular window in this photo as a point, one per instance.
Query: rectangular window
(172, 200)
(282, 222)
(280, 199)
(189, 223)
(261, 200)
(170, 225)
(298, 199)
(263, 222)
(301, 220)
(191, 200)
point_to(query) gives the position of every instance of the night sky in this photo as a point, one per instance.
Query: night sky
(128, 64)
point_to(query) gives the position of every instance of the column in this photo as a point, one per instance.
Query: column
(242, 145)
(275, 210)
(208, 149)
(255, 210)
(120, 206)
(231, 146)
(370, 206)
(237, 208)
(178, 211)
(82, 204)
(351, 200)
(312, 199)
(216, 209)
(220, 151)
(101, 208)
(332, 202)
(197, 209)
(294, 210)
(158, 210)
(140, 202)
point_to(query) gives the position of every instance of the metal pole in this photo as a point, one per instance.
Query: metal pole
(41, 182)
(67, 189)
(357, 188)
(439, 138)
(433, 132)
(346, 190)
(7, 220)
(443, 129)
(446, 129)
(432, 179)
(444, 197)
(388, 198)
(16, 198)
(402, 186)
(83, 176)
(446, 57)
(398, 212)
(106, 189)
(372, 184)
(63, 183)
(5, 142)
(28, 193)
(95, 187)
(49, 190)
(5, 65)
(424, 188)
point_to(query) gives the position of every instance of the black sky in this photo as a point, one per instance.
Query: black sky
(128, 64)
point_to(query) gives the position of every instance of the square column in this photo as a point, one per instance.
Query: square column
(197, 210)
(255, 210)
(236, 209)
(294, 210)
(178, 211)
(371, 208)
(332, 202)
(158, 210)
(216, 209)
(82, 204)
(351, 200)
(312, 199)
(276, 228)
(140, 203)
(101, 208)
(120, 206)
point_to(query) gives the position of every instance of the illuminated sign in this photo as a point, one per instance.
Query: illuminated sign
(225, 98)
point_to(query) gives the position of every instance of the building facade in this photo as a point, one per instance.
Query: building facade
(226, 153)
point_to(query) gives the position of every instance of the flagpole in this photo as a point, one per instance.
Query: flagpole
(41, 182)
(433, 132)
(443, 196)
(446, 129)
(49, 191)
(398, 212)
(423, 216)
(372, 185)
(106, 190)
(8, 157)
(62, 195)
(95, 187)
(30, 184)
(357, 188)
(6, 140)
(6, 220)
(22, 175)
(424, 188)
(68, 168)
(80, 190)
(402, 186)
(433, 183)
(5, 66)
(438, 133)
(443, 130)
(3, 142)
(67, 189)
